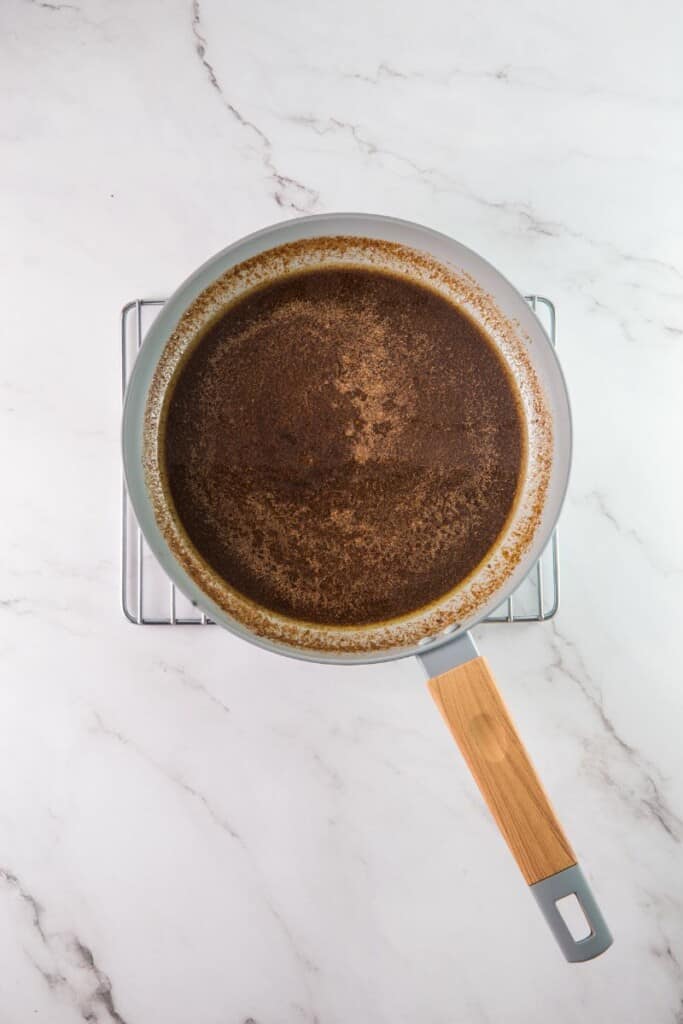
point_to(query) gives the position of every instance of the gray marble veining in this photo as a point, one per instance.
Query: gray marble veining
(192, 830)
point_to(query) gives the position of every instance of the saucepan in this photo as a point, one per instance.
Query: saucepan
(460, 681)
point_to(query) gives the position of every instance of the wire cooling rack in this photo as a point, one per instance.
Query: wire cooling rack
(149, 598)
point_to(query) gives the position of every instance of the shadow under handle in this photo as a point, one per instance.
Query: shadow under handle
(480, 723)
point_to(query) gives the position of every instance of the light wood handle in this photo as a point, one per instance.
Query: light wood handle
(476, 715)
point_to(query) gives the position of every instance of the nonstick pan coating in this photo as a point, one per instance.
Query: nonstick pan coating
(422, 255)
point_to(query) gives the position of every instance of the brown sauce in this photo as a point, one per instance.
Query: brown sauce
(343, 446)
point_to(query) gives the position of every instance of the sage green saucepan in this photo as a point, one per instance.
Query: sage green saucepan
(461, 682)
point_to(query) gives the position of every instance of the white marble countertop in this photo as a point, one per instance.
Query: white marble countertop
(196, 832)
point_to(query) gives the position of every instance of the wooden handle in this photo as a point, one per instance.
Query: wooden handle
(476, 715)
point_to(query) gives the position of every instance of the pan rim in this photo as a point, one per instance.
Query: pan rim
(158, 336)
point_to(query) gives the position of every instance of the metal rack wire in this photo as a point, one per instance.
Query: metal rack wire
(148, 597)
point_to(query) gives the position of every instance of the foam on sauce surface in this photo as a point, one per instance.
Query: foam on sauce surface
(343, 446)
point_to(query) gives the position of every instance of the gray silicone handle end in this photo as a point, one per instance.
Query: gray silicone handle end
(565, 883)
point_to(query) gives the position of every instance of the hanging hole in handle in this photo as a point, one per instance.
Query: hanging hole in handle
(572, 913)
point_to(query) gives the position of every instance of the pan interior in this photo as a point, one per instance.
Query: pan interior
(343, 446)
(380, 473)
